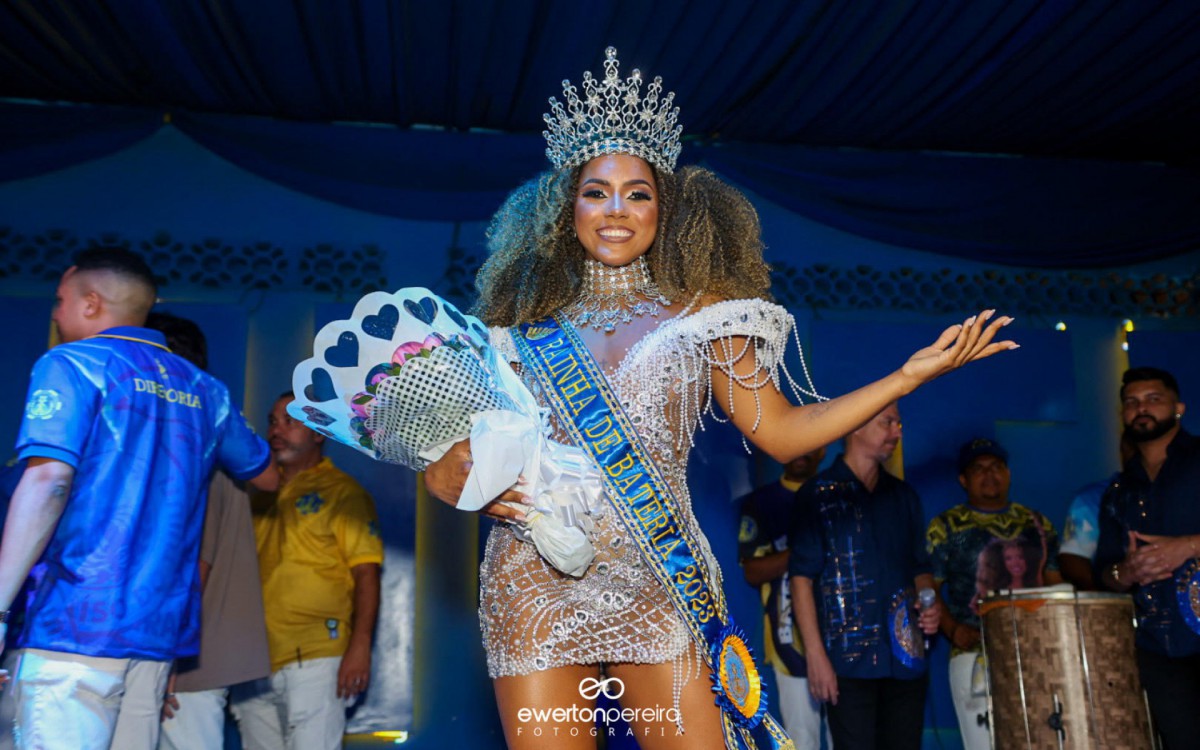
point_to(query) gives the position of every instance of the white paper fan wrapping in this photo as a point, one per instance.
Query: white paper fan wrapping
(408, 375)
(376, 357)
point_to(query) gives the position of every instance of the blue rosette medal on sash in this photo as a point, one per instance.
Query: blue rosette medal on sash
(1187, 593)
(907, 640)
(586, 406)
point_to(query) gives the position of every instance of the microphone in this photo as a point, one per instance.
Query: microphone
(927, 598)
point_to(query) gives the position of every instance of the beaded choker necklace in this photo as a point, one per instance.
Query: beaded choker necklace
(614, 295)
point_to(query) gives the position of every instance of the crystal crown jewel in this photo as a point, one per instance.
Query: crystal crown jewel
(613, 118)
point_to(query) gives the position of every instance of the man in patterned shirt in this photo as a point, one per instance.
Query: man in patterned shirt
(985, 544)
(767, 518)
(858, 558)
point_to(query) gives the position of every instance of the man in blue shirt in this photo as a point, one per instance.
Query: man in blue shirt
(1081, 531)
(857, 557)
(121, 437)
(768, 514)
(1150, 545)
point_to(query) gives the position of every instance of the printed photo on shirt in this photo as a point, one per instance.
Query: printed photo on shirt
(1005, 564)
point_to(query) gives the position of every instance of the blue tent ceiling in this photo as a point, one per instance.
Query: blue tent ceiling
(941, 84)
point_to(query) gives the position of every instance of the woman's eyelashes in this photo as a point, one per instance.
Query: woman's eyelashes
(636, 195)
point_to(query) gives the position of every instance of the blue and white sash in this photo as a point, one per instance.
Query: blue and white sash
(586, 406)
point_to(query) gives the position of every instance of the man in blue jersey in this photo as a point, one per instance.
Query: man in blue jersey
(120, 436)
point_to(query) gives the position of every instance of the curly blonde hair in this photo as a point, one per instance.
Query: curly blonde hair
(708, 242)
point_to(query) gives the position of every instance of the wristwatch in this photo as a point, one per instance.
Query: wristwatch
(1115, 572)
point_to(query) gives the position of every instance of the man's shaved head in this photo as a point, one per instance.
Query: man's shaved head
(107, 287)
(120, 276)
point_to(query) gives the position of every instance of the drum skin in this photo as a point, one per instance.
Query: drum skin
(1042, 643)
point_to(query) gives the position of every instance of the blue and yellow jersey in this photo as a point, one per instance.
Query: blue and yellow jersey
(321, 524)
(143, 429)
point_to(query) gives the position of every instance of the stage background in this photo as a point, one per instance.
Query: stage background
(912, 162)
(211, 225)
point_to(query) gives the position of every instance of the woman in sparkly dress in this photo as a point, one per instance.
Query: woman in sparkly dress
(658, 274)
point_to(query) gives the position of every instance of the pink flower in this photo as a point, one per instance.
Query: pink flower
(407, 351)
(361, 404)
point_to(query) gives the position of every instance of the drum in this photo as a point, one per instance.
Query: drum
(1062, 671)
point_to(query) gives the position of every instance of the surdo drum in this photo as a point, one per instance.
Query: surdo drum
(1062, 671)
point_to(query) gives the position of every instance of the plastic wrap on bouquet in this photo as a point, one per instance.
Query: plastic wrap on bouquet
(408, 375)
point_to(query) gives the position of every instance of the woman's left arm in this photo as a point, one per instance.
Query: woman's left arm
(786, 431)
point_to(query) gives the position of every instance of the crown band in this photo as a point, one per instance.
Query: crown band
(613, 118)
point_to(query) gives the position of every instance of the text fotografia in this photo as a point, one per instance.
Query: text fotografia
(551, 721)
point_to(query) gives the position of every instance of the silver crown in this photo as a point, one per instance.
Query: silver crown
(612, 118)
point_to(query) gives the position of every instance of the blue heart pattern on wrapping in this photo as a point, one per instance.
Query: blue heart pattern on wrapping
(321, 388)
(383, 324)
(345, 352)
(424, 311)
(455, 315)
(318, 417)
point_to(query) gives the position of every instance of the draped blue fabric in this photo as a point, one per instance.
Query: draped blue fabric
(1108, 79)
(404, 173)
(1011, 210)
(1008, 210)
(1105, 79)
(36, 138)
(883, 119)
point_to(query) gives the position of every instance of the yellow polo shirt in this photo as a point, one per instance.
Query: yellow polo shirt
(309, 535)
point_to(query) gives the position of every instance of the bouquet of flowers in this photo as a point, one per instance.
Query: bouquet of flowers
(407, 376)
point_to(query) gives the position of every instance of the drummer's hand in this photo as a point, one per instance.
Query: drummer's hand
(958, 345)
(822, 682)
(930, 618)
(446, 477)
(1158, 557)
(965, 637)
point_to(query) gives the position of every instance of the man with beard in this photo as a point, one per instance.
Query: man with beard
(1150, 544)
(967, 544)
(858, 558)
(767, 516)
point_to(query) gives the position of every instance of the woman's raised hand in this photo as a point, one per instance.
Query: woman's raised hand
(958, 345)
(446, 477)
